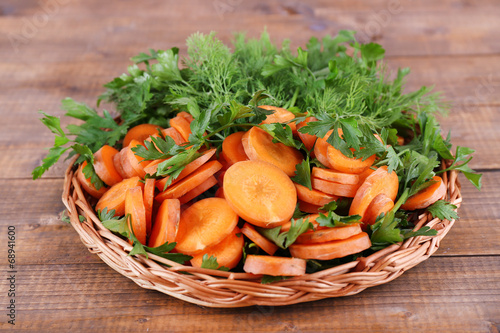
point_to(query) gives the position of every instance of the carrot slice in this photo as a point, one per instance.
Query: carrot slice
(275, 266)
(378, 182)
(174, 134)
(182, 126)
(333, 249)
(87, 184)
(207, 184)
(340, 162)
(260, 193)
(309, 208)
(203, 224)
(220, 193)
(279, 115)
(220, 177)
(186, 116)
(114, 198)
(188, 169)
(134, 205)
(104, 166)
(362, 176)
(427, 196)
(328, 234)
(342, 190)
(166, 223)
(149, 194)
(335, 176)
(321, 150)
(193, 180)
(380, 204)
(132, 164)
(153, 166)
(258, 145)
(140, 133)
(117, 162)
(313, 196)
(311, 218)
(232, 149)
(228, 252)
(262, 242)
(307, 139)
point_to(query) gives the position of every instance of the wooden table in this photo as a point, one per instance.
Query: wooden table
(57, 48)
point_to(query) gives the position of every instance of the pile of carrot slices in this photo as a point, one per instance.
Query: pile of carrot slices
(225, 196)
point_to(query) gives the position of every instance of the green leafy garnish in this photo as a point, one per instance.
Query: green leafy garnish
(286, 238)
(443, 210)
(211, 263)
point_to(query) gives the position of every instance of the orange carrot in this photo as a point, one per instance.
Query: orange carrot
(321, 150)
(335, 176)
(378, 182)
(232, 149)
(362, 176)
(220, 177)
(262, 242)
(104, 166)
(220, 193)
(310, 218)
(149, 194)
(228, 252)
(380, 204)
(427, 196)
(114, 198)
(279, 115)
(87, 184)
(140, 133)
(193, 180)
(166, 223)
(182, 126)
(401, 140)
(134, 205)
(275, 266)
(307, 139)
(203, 224)
(342, 190)
(117, 162)
(332, 249)
(346, 164)
(313, 196)
(174, 134)
(258, 145)
(260, 193)
(207, 184)
(186, 116)
(309, 208)
(153, 166)
(328, 234)
(132, 164)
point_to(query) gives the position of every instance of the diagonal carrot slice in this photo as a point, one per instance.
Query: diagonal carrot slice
(149, 194)
(333, 249)
(427, 196)
(182, 126)
(140, 133)
(262, 242)
(328, 234)
(134, 205)
(104, 166)
(307, 139)
(207, 184)
(232, 149)
(87, 185)
(341, 190)
(275, 266)
(114, 198)
(380, 204)
(166, 223)
(335, 176)
(313, 196)
(321, 150)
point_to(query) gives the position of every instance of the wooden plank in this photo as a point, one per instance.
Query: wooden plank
(461, 297)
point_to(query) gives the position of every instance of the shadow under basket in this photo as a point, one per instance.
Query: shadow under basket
(213, 288)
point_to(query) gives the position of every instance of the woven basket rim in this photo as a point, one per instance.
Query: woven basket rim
(213, 288)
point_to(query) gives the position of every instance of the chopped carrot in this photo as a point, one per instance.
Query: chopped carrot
(261, 193)
(134, 205)
(262, 242)
(182, 126)
(87, 184)
(228, 252)
(362, 176)
(311, 218)
(186, 116)
(153, 166)
(378, 182)
(220, 177)
(220, 193)
(132, 164)
(190, 182)
(340, 162)
(427, 196)
(313, 196)
(328, 234)
(166, 223)
(207, 184)
(279, 115)
(258, 145)
(114, 198)
(232, 149)
(149, 195)
(140, 133)
(309, 208)
(104, 166)
(332, 249)
(275, 266)
(205, 223)
(380, 204)
(335, 176)
(307, 139)
(117, 162)
(174, 134)
(401, 140)
(341, 190)
(321, 150)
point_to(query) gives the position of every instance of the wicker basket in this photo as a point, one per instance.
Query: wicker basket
(214, 288)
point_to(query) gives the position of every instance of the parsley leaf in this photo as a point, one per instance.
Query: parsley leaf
(303, 174)
(443, 210)
(334, 220)
(287, 238)
(211, 263)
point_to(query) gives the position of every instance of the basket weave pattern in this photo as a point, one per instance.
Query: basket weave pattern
(214, 288)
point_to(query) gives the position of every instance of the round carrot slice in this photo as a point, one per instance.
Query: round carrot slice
(260, 193)
(140, 133)
(378, 182)
(279, 115)
(258, 145)
(427, 196)
(328, 234)
(174, 134)
(228, 252)
(380, 204)
(182, 126)
(149, 195)
(203, 224)
(321, 150)
(313, 196)
(340, 162)
(114, 198)
(131, 163)
(206, 185)
(134, 205)
(193, 180)
(232, 149)
(307, 139)
(152, 167)
(262, 242)
(104, 166)
(117, 162)
(335, 176)
(220, 193)
(186, 116)
(166, 223)
(275, 266)
(87, 184)
(332, 249)
(309, 208)
(342, 190)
